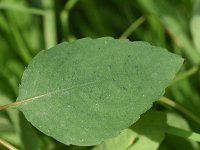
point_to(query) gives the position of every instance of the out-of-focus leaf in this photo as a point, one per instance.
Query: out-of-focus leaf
(175, 143)
(145, 134)
(177, 121)
(13, 135)
(184, 133)
(12, 138)
(151, 131)
(121, 142)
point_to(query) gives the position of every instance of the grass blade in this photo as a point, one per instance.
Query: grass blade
(7, 145)
(183, 133)
(171, 103)
(21, 8)
(132, 27)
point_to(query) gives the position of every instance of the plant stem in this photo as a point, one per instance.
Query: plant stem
(183, 133)
(49, 23)
(7, 145)
(186, 74)
(19, 102)
(171, 103)
(132, 27)
(8, 106)
(65, 16)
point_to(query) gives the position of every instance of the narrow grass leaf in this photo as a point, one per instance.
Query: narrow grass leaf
(184, 133)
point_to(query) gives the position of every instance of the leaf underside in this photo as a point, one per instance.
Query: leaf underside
(86, 91)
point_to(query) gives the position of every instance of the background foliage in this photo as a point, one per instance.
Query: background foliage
(27, 26)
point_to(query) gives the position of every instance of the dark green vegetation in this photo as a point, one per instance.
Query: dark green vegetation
(29, 26)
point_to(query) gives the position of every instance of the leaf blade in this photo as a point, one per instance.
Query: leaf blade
(98, 83)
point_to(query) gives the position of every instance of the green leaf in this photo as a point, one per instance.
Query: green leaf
(184, 133)
(121, 142)
(145, 134)
(151, 130)
(173, 142)
(86, 91)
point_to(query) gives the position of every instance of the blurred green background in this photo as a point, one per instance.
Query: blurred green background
(28, 26)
